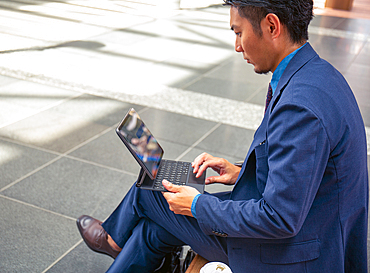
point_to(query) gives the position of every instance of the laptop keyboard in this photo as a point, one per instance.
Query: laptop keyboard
(175, 172)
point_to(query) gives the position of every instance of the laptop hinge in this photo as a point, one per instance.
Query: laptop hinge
(140, 178)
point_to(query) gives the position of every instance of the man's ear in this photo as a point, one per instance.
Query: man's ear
(273, 24)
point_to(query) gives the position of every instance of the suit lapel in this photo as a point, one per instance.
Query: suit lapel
(299, 60)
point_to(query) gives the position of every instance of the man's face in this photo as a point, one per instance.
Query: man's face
(255, 48)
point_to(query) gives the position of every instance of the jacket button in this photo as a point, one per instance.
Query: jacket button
(221, 234)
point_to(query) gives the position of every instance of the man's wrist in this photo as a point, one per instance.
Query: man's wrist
(193, 205)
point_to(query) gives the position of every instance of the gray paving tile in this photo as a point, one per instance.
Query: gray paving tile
(160, 49)
(356, 25)
(17, 113)
(174, 127)
(359, 86)
(121, 37)
(73, 188)
(228, 140)
(195, 66)
(108, 150)
(99, 110)
(238, 70)
(361, 71)
(366, 48)
(211, 23)
(326, 21)
(82, 260)
(189, 32)
(171, 149)
(365, 112)
(171, 35)
(314, 38)
(4, 80)
(360, 89)
(17, 161)
(33, 95)
(364, 56)
(224, 88)
(172, 75)
(53, 131)
(340, 52)
(211, 54)
(340, 62)
(32, 239)
(23, 99)
(260, 96)
(190, 69)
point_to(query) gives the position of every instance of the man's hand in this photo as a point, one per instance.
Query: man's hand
(179, 198)
(228, 172)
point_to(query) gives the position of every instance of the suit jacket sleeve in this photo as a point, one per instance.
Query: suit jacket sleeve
(292, 163)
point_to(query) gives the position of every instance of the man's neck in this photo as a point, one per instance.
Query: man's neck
(286, 49)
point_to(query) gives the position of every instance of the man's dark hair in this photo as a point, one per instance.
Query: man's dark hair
(294, 14)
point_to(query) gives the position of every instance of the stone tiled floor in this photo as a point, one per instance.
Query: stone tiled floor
(69, 71)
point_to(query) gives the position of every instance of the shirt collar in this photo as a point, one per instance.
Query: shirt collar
(280, 69)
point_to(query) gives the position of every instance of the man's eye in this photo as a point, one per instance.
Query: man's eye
(238, 34)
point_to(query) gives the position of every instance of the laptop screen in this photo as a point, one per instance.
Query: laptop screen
(140, 142)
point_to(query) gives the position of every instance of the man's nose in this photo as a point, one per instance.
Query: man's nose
(238, 47)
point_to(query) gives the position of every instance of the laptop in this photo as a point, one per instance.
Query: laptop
(148, 153)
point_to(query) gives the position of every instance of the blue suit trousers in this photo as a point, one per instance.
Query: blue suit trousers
(146, 229)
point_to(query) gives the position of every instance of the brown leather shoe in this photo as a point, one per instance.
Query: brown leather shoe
(95, 236)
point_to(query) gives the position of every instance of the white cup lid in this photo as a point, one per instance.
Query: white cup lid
(215, 267)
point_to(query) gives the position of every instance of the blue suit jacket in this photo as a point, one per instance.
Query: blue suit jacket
(300, 203)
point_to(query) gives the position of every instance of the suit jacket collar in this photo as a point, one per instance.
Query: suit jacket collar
(299, 60)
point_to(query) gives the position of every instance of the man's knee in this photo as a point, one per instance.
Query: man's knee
(156, 237)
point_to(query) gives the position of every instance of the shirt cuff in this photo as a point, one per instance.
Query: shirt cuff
(193, 205)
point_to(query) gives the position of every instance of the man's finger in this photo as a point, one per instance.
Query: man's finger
(202, 168)
(199, 160)
(169, 186)
(213, 179)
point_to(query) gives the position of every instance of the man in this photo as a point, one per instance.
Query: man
(300, 200)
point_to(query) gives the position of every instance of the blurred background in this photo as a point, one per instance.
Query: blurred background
(69, 72)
